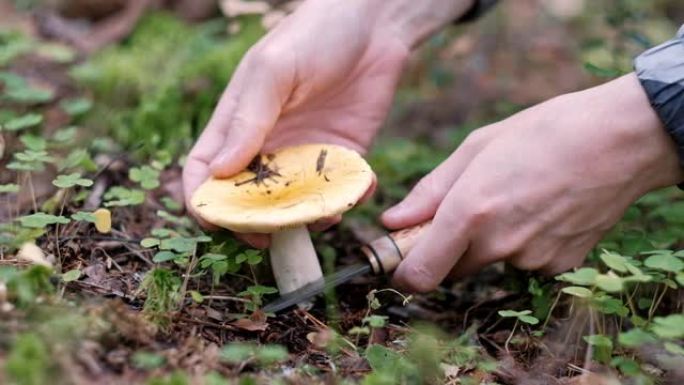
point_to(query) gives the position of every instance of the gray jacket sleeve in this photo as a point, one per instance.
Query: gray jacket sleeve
(661, 72)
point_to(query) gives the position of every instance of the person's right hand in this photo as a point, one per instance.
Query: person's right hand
(325, 74)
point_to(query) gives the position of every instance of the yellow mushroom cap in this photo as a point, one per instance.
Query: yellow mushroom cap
(298, 185)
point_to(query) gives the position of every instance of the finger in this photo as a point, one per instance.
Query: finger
(325, 223)
(257, 241)
(570, 255)
(438, 250)
(422, 202)
(371, 190)
(196, 169)
(257, 110)
(469, 264)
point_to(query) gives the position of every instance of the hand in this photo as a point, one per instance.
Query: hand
(325, 74)
(539, 189)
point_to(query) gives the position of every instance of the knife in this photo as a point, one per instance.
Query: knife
(383, 255)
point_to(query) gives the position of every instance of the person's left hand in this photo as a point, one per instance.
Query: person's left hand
(539, 189)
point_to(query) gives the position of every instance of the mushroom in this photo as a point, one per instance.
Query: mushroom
(280, 194)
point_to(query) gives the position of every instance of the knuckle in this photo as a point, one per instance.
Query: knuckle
(480, 213)
(417, 278)
(428, 186)
(530, 261)
(475, 139)
(266, 56)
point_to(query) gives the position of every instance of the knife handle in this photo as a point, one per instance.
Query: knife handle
(384, 254)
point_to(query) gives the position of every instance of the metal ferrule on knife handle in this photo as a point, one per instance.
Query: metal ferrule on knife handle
(385, 254)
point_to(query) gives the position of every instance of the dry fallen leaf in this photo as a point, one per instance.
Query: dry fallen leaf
(103, 220)
(256, 322)
(29, 252)
(320, 339)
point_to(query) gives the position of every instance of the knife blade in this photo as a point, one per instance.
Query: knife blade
(383, 255)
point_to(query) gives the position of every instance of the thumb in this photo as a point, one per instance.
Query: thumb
(438, 250)
(256, 112)
(422, 202)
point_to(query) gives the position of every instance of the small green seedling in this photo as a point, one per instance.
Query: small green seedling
(146, 176)
(71, 180)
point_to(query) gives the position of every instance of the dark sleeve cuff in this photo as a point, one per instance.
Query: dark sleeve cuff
(661, 72)
(479, 8)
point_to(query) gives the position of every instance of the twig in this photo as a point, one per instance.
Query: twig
(226, 298)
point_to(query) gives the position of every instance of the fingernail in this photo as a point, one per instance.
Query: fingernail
(219, 162)
(395, 211)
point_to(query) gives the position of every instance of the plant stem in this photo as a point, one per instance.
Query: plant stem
(510, 336)
(553, 306)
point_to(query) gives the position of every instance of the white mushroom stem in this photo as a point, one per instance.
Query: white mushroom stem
(293, 259)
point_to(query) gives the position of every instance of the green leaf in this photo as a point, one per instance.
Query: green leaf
(577, 291)
(237, 352)
(508, 313)
(120, 196)
(75, 107)
(635, 338)
(148, 361)
(84, 216)
(609, 305)
(382, 359)
(680, 279)
(599, 340)
(271, 354)
(34, 143)
(162, 233)
(65, 135)
(614, 261)
(254, 257)
(178, 244)
(79, 157)
(71, 180)
(146, 176)
(665, 262)
(22, 122)
(71, 275)
(40, 220)
(171, 204)
(29, 95)
(609, 282)
(259, 290)
(674, 348)
(669, 327)
(528, 319)
(196, 296)
(9, 188)
(149, 242)
(164, 256)
(584, 276)
(375, 321)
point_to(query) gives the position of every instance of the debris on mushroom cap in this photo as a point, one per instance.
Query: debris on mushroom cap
(291, 187)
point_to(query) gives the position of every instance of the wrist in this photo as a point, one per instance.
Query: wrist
(650, 153)
(414, 21)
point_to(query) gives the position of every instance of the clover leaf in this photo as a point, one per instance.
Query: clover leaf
(146, 176)
(9, 188)
(22, 122)
(84, 216)
(665, 262)
(40, 220)
(71, 180)
(121, 196)
(75, 107)
(522, 316)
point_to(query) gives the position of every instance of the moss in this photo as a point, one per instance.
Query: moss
(158, 88)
